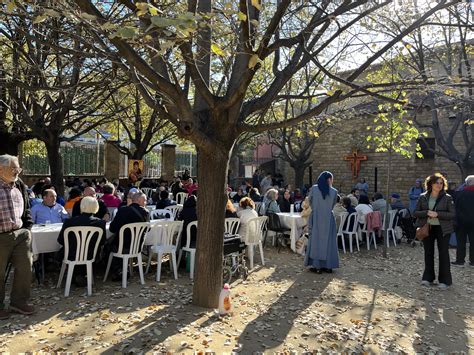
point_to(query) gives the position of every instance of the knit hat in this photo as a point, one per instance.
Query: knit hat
(395, 196)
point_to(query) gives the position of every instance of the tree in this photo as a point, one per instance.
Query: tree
(172, 51)
(392, 133)
(295, 146)
(435, 61)
(56, 86)
(11, 133)
(143, 126)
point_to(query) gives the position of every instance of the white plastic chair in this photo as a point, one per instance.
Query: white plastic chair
(168, 244)
(392, 224)
(369, 234)
(187, 248)
(148, 191)
(351, 220)
(159, 213)
(231, 227)
(175, 210)
(181, 197)
(138, 233)
(254, 236)
(342, 218)
(83, 244)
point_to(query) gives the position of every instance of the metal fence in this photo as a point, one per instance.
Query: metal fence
(80, 158)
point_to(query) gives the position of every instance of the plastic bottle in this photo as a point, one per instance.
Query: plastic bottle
(225, 304)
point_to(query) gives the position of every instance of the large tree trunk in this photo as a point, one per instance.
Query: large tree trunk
(55, 165)
(210, 238)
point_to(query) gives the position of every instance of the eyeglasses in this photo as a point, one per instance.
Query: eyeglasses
(17, 170)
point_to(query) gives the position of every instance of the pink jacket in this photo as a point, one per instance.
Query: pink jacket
(111, 200)
(373, 221)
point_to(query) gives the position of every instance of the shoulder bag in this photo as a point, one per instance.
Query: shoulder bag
(424, 231)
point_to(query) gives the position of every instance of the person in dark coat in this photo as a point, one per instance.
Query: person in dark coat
(285, 201)
(102, 212)
(89, 206)
(436, 208)
(465, 222)
(188, 214)
(134, 213)
(164, 200)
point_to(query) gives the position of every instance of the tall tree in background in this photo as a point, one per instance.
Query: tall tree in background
(55, 85)
(11, 132)
(435, 63)
(213, 50)
(142, 126)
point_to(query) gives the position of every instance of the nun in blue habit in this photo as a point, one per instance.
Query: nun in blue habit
(321, 252)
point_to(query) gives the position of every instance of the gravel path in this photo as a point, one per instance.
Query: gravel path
(370, 304)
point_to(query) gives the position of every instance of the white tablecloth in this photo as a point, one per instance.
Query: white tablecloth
(44, 238)
(295, 222)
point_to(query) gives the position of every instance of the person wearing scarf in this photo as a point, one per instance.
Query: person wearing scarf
(321, 253)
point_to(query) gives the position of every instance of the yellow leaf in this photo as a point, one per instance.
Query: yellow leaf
(11, 7)
(217, 50)
(256, 4)
(153, 10)
(40, 18)
(242, 16)
(254, 59)
(330, 92)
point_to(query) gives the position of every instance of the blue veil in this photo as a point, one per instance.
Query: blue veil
(323, 183)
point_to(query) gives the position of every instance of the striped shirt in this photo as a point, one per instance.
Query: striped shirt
(11, 207)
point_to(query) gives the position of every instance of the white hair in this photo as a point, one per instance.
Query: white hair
(137, 195)
(89, 205)
(470, 180)
(272, 194)
(7, 159)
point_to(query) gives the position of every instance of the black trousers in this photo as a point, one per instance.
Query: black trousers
(462, 234)
(444, 275)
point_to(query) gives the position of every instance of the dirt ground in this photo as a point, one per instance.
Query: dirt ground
(370, 304)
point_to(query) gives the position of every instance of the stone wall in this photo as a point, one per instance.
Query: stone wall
(336, 143)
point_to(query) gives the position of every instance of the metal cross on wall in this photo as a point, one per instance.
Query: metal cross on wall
(355, 160)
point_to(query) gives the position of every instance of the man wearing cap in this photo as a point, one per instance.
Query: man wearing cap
(465, 222)
(414, 194)
(15, 237)
(396, 203)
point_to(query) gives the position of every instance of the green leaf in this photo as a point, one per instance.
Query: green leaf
(242, 16)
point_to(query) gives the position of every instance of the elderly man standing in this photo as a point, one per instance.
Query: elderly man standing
(49, 211)
(15, 237)
(465, 221)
